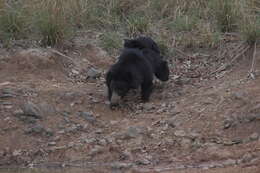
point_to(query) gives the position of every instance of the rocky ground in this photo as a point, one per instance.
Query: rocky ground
(54, 111)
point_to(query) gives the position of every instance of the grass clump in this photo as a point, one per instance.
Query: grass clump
(227, 13)
(183, 23)
(250, 23)
(137, 24)
(250, 30)
(12, 20)
(51, 22)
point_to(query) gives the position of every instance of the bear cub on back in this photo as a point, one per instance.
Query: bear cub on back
(131, 70)
(151, 51)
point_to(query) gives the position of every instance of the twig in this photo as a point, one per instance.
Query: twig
(251, 72)
(226, 65)
(61, 54)
(241, 53)
(182, 53)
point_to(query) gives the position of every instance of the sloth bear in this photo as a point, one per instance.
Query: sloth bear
(142, 43)
(131, 70)
(151, 51)
(160, 66)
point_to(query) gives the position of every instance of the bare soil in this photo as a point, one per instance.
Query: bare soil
(195, 122)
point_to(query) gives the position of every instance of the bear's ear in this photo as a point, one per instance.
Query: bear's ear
(126, 42)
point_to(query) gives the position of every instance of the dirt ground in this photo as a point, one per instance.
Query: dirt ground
(55, 113)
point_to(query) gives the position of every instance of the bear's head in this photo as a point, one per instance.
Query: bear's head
(119, 87)
(162, 71)
(133, 44)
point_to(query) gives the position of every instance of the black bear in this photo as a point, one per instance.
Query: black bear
(130, 71)
(160, 66)
(151, 51)
(142, 43)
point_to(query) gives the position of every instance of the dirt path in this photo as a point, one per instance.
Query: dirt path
(52, 114)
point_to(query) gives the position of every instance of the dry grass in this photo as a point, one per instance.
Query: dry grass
(172, 22)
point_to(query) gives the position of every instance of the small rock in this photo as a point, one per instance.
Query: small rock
(47, 108)
(240, 95)
(17, 153)
(180, 133)
(255, 108)
(194, 135)
(132, 132)
(99, 131)
(74, 128)
(75, 71)
(51, 143)
(148, 107)
(227, 124)
(31, 109)
(37, 129)
(254, 136)
(93, 73)
(250, 118)
(118, 165)
(88, 116)
(102, 142)
(186, 143)
(96, 150)
(89, 140)
(49, 132)
(229, 162)
(70, 144)
(173, 122)
(247, 158)
(7, 119)
(6, 93)
(143, 162)
(61, 132)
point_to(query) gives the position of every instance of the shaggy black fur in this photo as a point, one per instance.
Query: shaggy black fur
(151, 51)
(130, 71)
(142, 43)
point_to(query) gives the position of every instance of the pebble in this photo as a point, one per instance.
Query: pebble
(51, 143)
(148, 107)
(93, 73)
(74, 71)
(247, 158)
(118, 165)
(180, 133)
(17, 153)
(7, 93)
(96, 150)
(254, 136)
(186, 143)
(229, 162)
(88, 116)
(174, 122)
(133, 132)
(31, 109)
(143, 162)
(37, 129)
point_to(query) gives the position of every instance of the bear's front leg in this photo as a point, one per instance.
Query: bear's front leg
(147, 88)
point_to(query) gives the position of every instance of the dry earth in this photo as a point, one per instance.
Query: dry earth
(54, 113)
